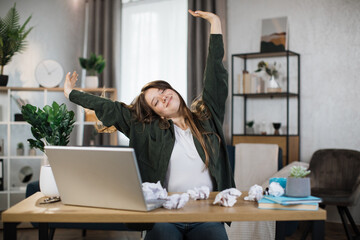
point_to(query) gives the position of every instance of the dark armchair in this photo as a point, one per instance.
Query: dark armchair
(335, 177)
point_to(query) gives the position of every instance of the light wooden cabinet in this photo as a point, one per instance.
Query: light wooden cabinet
(18, 170)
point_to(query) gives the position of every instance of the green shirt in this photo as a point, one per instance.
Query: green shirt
(153, 146)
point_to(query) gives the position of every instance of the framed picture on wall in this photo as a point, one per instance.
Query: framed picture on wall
(274, 35)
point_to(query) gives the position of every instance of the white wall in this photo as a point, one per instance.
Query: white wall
(327, 35)
(57, 34)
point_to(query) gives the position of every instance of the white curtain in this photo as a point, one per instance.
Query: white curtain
(154, 46)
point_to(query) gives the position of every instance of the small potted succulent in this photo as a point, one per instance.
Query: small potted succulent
(298, 184)
(93, 65)
(249, 127)
(32, 151)
(20, 149)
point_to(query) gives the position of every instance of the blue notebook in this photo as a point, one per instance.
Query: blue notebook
(284, 200)
(268, 204)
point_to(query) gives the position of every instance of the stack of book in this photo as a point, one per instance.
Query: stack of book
(310, 203)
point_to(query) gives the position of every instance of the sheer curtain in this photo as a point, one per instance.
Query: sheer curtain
(154, 46)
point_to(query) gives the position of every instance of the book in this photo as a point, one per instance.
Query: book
(268, 204)
(1, 174)
(284, 200)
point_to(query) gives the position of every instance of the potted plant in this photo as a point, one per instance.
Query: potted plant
(51, 125)
(32, 151)
(297, 184)
(249, 127)
(20, 149)
(12, 39)
(93, 65)
(273, 85)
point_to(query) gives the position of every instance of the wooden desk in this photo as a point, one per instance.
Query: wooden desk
(29, 210)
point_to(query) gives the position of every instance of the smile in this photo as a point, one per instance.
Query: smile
(170, 98)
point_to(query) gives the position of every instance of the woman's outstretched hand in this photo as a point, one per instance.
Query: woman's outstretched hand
(212, 18)
(70, 82)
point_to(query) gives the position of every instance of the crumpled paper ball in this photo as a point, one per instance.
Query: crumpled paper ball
(255, 193)
(227, 198)
(154, 191)
(176, 201)
(276, 189)
(202, 192)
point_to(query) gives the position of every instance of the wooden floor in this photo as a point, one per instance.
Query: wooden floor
(333, 231)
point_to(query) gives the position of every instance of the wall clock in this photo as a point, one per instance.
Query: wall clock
(49, 73)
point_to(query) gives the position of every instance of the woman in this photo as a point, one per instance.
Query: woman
(180, 147)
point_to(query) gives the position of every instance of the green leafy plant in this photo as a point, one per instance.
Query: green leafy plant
(269, 69)
(51, 125)
(94, 64)
(250, 124)
(299, 172)
(12, 36)
(20, 145)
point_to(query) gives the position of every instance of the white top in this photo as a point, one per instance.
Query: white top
(186, 170)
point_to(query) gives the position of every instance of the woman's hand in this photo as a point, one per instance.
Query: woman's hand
(212, 18)
(70, 82)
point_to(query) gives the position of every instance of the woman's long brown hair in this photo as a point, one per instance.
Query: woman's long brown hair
(143, 113)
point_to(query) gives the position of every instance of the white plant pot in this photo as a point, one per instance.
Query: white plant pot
(92, 81)
(47, 182)
(298, 187)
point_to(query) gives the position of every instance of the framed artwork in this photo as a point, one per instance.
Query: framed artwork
(274, 35)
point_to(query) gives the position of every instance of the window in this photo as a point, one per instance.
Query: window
(154, 46)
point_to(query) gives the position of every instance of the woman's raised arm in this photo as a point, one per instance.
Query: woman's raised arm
(212, 18)
(70, 82)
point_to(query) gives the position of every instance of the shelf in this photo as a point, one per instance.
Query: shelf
(14, 190)
(266, 95)
(266, 54)
(25, 123)
(267, 135)
(38, 89)
(18, 131)
(18, 190)
(26, 157)
(251, 107)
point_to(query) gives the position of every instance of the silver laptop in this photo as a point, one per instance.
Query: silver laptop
(106, 177)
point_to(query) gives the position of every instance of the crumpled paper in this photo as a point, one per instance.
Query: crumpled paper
(176, 201)
(255, 193)
(227, 198)
(154, 191)
(202, 192)
(276, 189)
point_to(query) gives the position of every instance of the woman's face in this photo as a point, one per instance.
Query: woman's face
(166, 103)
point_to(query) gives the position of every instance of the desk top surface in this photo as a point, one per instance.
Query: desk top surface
(30, 210)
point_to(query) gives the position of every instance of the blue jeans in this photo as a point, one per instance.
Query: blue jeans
(188, 231)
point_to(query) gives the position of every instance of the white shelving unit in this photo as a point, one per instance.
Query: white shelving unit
(13, 132)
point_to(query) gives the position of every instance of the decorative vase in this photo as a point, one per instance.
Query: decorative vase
(4, 80)
(298, 187)
(47, 182)
(273, 85)
(32, 152)
(249, 130)
(92, 81)
(20, 152)
(276, 127)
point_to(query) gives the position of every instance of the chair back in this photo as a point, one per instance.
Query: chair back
(336, 172)
(254, 163)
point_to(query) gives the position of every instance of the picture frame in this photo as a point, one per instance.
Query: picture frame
(274, 35)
